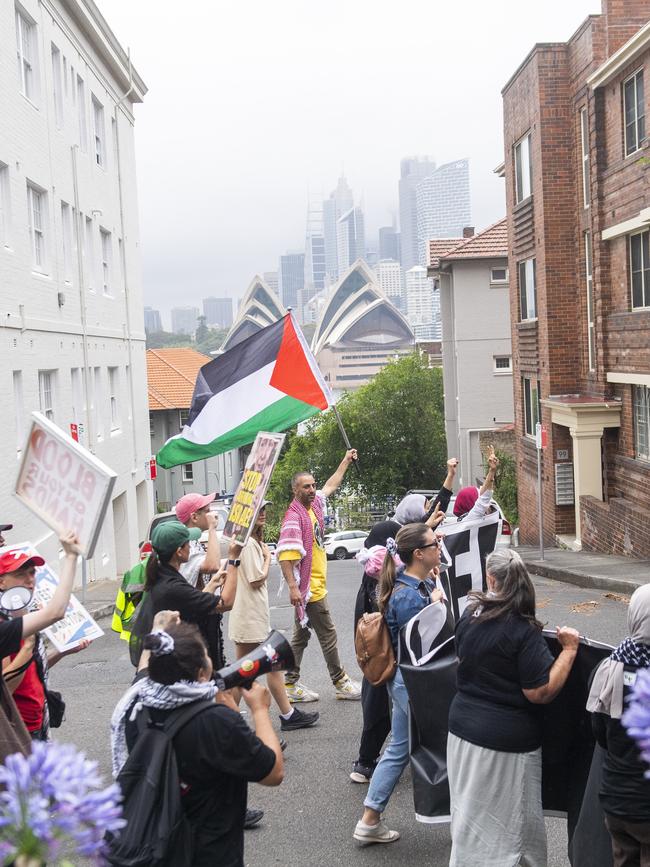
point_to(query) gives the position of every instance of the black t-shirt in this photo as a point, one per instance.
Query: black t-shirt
(496, 660)
(217, 756)
(11, 633)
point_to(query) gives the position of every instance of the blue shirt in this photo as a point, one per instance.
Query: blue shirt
(408, 598)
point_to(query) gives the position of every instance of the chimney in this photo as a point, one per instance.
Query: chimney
(468, 232)
(622, 20)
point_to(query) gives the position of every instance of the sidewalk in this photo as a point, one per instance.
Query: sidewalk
(100, 598)
(587, 569)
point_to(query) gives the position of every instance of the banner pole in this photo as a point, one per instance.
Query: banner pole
(84, 580)
(540, 516)
(346, 439)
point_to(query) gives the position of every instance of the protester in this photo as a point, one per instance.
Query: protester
(374, 699)
(26, 672)
(3, 530)
(193, 510)
(624, 789)
(217, 753)
(303, 562)
(401, 596)
(494, 762)
(249, 622)
(472, 502)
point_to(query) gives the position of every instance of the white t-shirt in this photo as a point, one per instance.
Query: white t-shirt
(249, 622)
(192, 569)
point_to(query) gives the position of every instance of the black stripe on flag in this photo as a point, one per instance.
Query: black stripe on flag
(236, 364)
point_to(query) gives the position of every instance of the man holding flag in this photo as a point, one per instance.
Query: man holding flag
(303, 562)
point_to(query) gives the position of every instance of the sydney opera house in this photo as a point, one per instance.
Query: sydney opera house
(358, 330)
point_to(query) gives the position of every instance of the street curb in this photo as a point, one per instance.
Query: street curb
(582, 579)
(102, 611)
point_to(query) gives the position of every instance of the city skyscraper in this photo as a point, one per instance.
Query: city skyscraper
(340, 201)
(351, 238)
(422, 308)
(152, 323)
(412, 171)
(389, 277)
(184, 320)
(389, 243)
(443, 205)
(218, 311)
(271, 279)
(291, 278)
(315, 259)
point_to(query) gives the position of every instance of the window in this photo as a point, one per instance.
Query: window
(78, 405)
(19, 410)
(584, 144)
(114, 391)
(634, 111)
(57, 86)
(99, 133)
(46, 393)
(89, 250)
(498, 275)
(36, 212)
(120, 263)
(66, 232)
(640, 270)
(641, 405)
(152, 426)
(107, 251)
(188, 473)
(528, 289)
(81, 113)
(98, 402)
(26, 53)
(183, 416)
(523, 170)
(591, 324)
(503, 364)
(532, 405)
(5, 214)
(66, 82)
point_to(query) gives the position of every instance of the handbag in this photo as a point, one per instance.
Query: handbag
(55, 707)
(14, 737)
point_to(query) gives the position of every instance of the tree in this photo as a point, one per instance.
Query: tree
(397, 424)
(202, 330)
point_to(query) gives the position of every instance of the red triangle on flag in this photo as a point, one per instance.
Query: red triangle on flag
(292, 373)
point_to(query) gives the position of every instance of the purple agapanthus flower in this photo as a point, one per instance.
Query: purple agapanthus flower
(54, 798)
(636, 718)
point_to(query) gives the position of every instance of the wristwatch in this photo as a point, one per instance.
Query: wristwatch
(234, 562)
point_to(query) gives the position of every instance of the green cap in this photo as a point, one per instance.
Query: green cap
(170, 535)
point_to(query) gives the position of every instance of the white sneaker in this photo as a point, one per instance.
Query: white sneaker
(378, 833)
(296, 693)
(347, 688)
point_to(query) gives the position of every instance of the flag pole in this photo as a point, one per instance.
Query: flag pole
(346, 438)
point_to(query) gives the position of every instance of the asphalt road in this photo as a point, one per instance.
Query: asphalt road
(309, 820)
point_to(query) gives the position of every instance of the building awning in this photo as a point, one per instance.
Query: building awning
(584, 413)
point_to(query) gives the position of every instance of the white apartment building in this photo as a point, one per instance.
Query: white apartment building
(185, 320)
(389, 277)
(72, 341)
(422, 304)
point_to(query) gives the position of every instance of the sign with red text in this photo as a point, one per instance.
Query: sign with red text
(63, 483)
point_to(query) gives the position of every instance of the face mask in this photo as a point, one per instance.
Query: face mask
(14, 599)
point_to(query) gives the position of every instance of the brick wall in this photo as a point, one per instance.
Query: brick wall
(618, 526)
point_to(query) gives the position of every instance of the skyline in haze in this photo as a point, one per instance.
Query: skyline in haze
(254, 109)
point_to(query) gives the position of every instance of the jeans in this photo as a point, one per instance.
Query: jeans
(396, 754)
(320, 620)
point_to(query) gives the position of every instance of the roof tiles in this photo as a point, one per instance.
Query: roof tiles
(491, 243)
(171, 375)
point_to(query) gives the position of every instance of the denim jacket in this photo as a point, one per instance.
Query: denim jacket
(408, 598)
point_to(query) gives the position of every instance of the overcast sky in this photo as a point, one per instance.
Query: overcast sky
(256, 105)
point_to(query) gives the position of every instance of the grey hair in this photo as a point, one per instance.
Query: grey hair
(500, 560)
(514, 593)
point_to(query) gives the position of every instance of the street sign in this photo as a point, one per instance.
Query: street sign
(541, 436)
(74, 432)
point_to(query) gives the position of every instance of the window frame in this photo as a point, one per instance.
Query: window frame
(106, 250)
(113, 397)
(499, 281)
(528, 294)
(37, 221)
(502, 371)
(643, 405)
(82, 114)
(19, 410)
(47, 393)
(591, 320)
(27, 54)
(531, 418)
(5, 206)
(67, 222)
(638, 139)
(57, 85)
(181, 413)
(645, 287)
(188, 474)
(99, 131)
(584, 145)
(520, 186)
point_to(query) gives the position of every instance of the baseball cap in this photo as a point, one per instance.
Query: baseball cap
(4, 527)
(266, 503)
(170, 535)
(191, 503)
(13, 560)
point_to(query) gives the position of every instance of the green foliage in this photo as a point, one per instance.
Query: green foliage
(207, 339)
(397, 424)
(202, 330)
(505, 487)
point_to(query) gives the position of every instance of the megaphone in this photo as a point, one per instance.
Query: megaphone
(273, 654)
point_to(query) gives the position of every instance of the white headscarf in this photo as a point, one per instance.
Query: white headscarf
(411, 509)
(606, 695)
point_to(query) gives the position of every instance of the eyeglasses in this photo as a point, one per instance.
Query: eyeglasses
(435, 544)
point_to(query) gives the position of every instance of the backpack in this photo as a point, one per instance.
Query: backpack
(374, 649)
(157, 833)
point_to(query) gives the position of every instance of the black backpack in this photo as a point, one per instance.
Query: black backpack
(157, 833)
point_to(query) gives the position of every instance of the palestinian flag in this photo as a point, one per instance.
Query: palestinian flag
(270, 381)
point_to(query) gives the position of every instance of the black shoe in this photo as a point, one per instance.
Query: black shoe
(253, 817)
(362, 773)
(299, 719)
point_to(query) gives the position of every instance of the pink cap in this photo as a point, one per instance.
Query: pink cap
(191, 503)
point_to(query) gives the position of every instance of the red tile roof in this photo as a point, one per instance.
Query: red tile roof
(171, 375)
(439, 246)
(491, 243)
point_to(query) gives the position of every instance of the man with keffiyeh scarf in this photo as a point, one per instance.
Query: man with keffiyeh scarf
(303, 562)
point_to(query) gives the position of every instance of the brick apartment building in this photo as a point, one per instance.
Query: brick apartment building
(577, 170)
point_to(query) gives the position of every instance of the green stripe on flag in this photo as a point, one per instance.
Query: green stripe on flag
(276, 418)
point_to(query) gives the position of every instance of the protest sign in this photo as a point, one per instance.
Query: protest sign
(76, 625)
(252, 487)
(63, 483)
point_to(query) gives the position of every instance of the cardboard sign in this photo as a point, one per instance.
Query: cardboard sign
(76, 625)
(63, 483)
(252, 487)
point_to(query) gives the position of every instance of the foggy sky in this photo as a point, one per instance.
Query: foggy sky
(254, 106)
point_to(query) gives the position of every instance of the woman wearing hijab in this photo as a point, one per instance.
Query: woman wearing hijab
(624, 790)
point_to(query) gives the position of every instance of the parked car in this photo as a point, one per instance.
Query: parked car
(218, 507)
(340, 546)
(504, 540)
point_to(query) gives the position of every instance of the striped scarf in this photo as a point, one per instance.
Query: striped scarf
(297, 534)
(631, 652)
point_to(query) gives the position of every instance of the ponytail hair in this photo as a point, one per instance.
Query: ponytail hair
(409, 537)
(151, 570)
(180, 658)
(514, 592)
